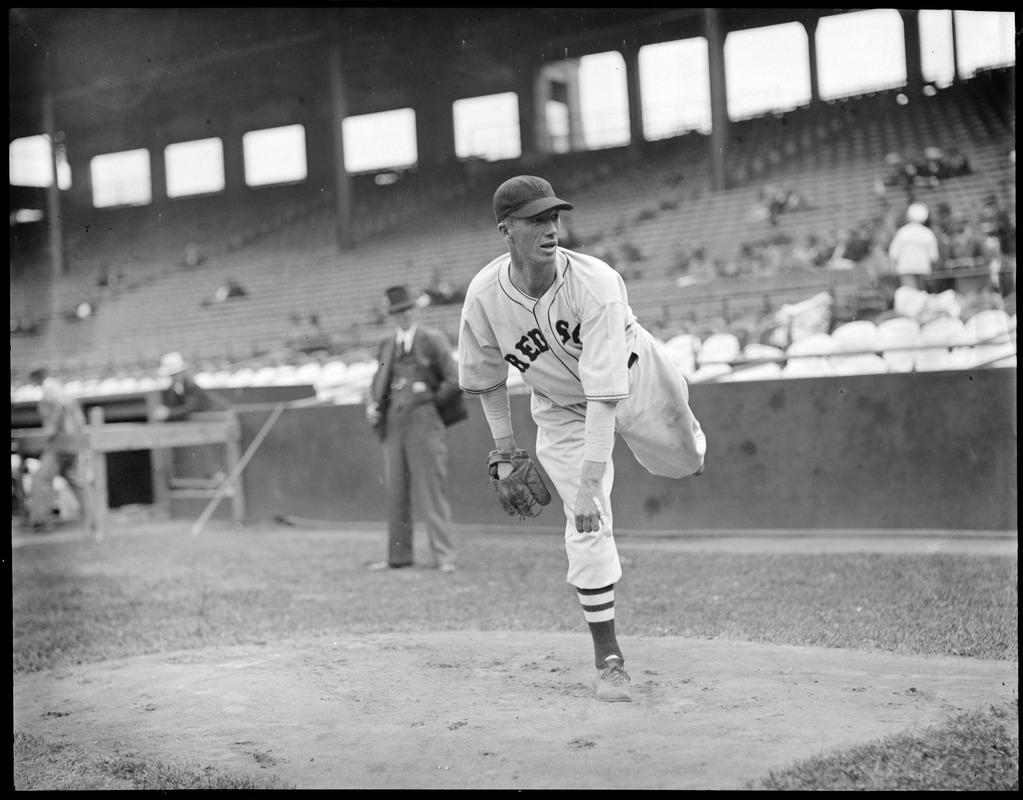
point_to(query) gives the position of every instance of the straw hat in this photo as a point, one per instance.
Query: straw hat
(172, 364)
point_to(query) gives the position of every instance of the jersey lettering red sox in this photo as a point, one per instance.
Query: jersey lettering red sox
(572, 345)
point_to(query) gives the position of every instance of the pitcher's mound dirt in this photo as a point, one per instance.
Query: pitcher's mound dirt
(499, 710)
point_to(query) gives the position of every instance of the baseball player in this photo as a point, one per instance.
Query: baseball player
(562, 320)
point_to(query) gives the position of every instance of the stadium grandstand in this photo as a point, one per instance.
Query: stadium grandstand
(765, 226)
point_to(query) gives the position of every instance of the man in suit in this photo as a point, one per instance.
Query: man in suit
(413, 398)
(182, 396)
(179, 399)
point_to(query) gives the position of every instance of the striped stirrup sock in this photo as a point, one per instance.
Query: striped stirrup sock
(599, 613)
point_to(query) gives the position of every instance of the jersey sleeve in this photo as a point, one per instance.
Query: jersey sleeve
(604, 363)
(481, 367)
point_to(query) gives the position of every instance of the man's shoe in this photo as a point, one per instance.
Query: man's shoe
(612, 683)
(447, 568)
(379, 566)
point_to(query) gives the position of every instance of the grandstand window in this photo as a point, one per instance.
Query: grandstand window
(768, 70)
(984, 39)
(385, 140)
(859, 52)
(604, 100)
(936, 46)
(30, 163)
(194, 168)
(675, 84)
(274, 156)
(121, 179)
(558, 128)
(487, 127)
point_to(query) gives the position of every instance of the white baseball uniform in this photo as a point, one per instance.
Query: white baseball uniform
(579, 342)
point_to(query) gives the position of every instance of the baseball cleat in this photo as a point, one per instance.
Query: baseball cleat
(378, 566)
(612, 683)
(447, 567)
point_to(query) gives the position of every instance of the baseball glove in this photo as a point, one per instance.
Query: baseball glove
(522, 493)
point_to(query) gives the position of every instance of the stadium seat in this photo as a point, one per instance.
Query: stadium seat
(862, 364)
(27, 393)
(940, 344)
(709, 373)
(308, 373)
(715, 356)
(333, 373)
(896, 338)
(683, 348)
(265, 376)
(72, 387)
(221, 379)
(284, 375)
(126, 384)
(242, 377)
(814, 344)
(808, 357)
(203, 379)
(719, 348)
(764, 363)
(855, 349)
(858, 336)
(767, 371)
(992, 338)
(89, 387)
(360, 374)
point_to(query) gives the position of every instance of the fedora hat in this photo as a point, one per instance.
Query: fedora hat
(397, 298)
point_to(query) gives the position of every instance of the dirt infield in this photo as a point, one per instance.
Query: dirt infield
(499, 710)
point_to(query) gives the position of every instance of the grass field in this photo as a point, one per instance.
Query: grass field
(79, 602)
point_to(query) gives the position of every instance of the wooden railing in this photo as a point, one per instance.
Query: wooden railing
(99, 439)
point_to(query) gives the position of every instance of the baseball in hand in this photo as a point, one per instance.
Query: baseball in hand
(604, 527)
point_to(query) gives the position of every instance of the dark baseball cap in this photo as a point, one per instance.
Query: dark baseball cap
(525, 196)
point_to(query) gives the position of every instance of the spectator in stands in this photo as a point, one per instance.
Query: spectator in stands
(24, 326)
(811, 253)
(569, 238)
(965, 248)
(413, 398)
(443, 292)
(306, 336)
(932, 168)
(183, 396)
(194, 257)
(109, 278)
(980, 299)
(900, 173)
(63, 421)
(956, 164)
(852, 246)
(996, 222)
(913, 251)
(231, 290)
(81, 310)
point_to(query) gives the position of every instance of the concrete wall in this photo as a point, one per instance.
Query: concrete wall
(915, 451)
